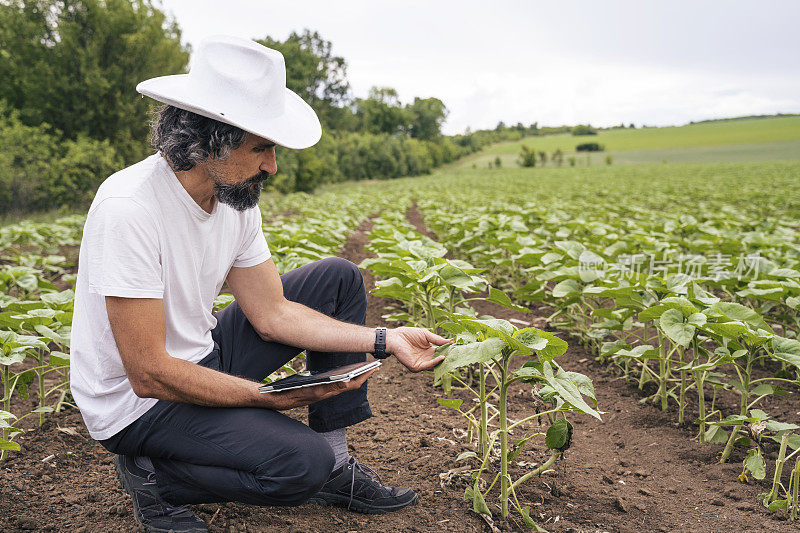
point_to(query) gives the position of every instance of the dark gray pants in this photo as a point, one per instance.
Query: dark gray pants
(257, 456)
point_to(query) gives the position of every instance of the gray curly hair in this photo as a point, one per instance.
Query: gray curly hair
(186, 138)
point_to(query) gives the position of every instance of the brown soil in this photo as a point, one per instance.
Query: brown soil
(634, 471)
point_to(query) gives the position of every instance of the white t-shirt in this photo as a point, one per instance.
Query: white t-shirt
(145, 237)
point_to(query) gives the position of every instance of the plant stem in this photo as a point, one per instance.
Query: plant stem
(6, 404)
(745, 382)
(682, 394)
(663, 367)
(776, 479)
(40, 378)
(699, 376)
(483, 433)
(643, 375)
(503, 441)
(538, 470)
(795, 489)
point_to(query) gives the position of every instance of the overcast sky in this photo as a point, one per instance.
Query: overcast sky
(551, 62)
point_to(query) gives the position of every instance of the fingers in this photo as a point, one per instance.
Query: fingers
(428, 365)
(435, 339)
(357, 382)
(308, 395)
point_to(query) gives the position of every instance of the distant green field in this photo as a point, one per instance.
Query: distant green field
(745, 131)
(758, 139)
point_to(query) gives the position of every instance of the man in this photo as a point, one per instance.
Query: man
(173, 389)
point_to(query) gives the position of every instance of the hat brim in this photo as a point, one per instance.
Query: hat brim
(298, 127)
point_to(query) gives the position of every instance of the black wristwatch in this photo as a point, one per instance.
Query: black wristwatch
(380, 344)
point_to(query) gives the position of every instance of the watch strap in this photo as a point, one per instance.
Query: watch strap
(380, 344)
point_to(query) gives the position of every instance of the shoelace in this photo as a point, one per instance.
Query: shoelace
(364, 469)
(171, 510)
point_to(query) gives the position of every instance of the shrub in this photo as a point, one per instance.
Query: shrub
(40, 171)
(527, 157)
(590, 147)
(557, 157)
(581, 129)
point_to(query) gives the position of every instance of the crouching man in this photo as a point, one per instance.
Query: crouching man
(172, 388)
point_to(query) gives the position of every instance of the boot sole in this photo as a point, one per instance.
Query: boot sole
(358, 506)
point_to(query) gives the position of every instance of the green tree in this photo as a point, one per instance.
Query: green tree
(427, 117)
(39, 171)
(582, 129)
(381, 112)
(318, 76)
(74, 64)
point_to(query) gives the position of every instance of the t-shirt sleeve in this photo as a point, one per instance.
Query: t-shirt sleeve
(123, 251)
(254, 249)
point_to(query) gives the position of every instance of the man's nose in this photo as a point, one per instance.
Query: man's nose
(270, 163)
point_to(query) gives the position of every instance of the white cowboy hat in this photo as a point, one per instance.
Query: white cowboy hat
(242, 83)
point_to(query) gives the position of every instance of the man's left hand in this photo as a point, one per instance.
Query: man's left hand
(415, 347)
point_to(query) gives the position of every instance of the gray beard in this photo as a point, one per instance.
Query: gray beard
(243, 196)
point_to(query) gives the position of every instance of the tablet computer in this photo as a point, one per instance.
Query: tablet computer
(297, 381)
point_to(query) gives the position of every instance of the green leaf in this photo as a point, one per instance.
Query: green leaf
(762, 390)
(755, 464)
(697, 319)
(526, 517)
(9, 319)
(681, 304)
(463, 355)
(671, 322)
(531, 337)
(716, 435)
(13, 358)
(492, 326)
(559, 435)
(640, 351)
(651, 313)
(25, 306)
(455, 277)
(63, 301)
(786, 350)
(51, 335)
(496, 327)
(741, 313)
(777, 505)
(8, 445)
(59, 358)
(479, 504)
(565, 288)
(222, 301)
(779, 427)
(466, 455)
(730, 330)
(451, 403)
(572, 248)
(566, 389)
(501, 298)
(734, 420)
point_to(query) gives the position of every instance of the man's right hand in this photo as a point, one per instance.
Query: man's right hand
(307, 395)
